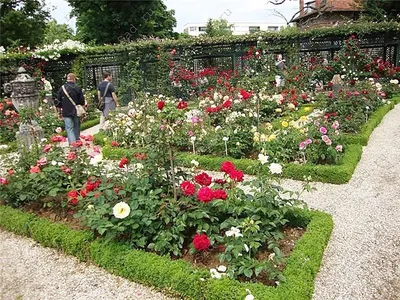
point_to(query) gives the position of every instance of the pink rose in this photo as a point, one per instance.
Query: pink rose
(323, 130)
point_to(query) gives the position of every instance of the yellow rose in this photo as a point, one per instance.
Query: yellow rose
(303, 119)
(278, 110)
(268, 126)
(271, 137)
(285, 124)
(302, 131)
(263, 138)
(307, 109)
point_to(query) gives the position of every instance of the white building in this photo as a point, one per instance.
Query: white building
(238, 28)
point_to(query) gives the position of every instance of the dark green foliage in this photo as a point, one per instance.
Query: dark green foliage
(22, 22)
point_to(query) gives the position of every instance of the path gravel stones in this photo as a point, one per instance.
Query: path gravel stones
(362, 260)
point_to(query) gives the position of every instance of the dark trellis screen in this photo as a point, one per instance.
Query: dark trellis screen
(223, 56)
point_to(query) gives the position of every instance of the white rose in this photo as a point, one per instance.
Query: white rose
(121, 210)
(221, 269)
(263, 158)
(275, 168)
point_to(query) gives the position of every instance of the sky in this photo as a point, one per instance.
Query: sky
(196, 11)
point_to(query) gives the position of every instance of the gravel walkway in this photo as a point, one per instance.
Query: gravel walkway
(362, 260)
(29, 271)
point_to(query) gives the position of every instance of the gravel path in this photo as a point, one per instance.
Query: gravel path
(29, 271)
(362, 260)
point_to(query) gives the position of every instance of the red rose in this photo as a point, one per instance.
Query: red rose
(34, 169)
(227, 167)
(42, 161)
(87, 138)
(91, 186)
(10, 172)
(227, 104)
(160, 105)
(123, 162)
(140, 156)
(236, 175)
(188, 188)
(83, 193)
(114, 144)
(3, 181)
(201, 242)
(205, 195)
(77, 144)
(73, 201)
(220, 194)
(72, 194)
(182, 105)
(203, 179)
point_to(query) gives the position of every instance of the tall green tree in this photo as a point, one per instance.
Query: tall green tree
(380, 10)
(54, 31)
(218, 27)
(22, 22)
(113, 21)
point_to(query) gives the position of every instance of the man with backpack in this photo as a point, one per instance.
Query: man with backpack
(69, 104)
(107, 98)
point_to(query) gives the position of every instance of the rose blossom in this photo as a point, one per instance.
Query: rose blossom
(302, 145)
(47, 148)
(160, 105)
(34, 169)
(339, 148)
(275, 168)
(182, 105)
(205, 194)
(3, 181)
(323, 130)
(203, 179)
(71, 155)
(58, 130)
(335, 125)
(227, 167)
(236, 175)
(114, 144)
(308, 141)
(42, 161)
(220, 194)
(201, 242)
(124, 161)
(188, 188)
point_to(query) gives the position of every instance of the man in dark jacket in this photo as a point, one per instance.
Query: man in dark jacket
(66, 108)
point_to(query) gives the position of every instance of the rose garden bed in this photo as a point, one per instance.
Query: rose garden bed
(177, 276)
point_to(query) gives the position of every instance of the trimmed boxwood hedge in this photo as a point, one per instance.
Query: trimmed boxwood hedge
(336, 174)
(180, 277)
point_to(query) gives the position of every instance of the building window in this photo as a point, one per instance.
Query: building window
(192, 28)
(202, 29)
(273, 28)
(254, 29)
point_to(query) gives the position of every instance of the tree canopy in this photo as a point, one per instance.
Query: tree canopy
(113, 21)
(218, 27)
(22, 22)
(54, 31)
(380, 10)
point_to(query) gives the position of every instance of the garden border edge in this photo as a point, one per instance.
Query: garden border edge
(179, 277)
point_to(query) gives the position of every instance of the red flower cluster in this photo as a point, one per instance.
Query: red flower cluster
(114, 144)
(205, 194)
(58, 139)
(245, 94)
(35, 169)
(201, 242)
(77, 144)
(47, 148)
(71, 155)
(140, 156)
(87, 138)
(210, 110)
(3, 181)
(123, 162)
(229, 169)
(182, 105)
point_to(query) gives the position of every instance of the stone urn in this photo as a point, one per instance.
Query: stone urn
(24, 94)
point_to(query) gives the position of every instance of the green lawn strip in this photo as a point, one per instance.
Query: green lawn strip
(373, 121)
(86, 124)
(178, 276)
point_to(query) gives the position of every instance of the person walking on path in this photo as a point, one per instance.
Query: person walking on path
(107, 90)
(66, 109)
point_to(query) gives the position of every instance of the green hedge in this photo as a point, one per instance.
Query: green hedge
(179, 277)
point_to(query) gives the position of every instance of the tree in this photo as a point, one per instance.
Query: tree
(380, 10)
(218, 28)
(22, 22)
(54, 31)
(113, 21)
